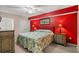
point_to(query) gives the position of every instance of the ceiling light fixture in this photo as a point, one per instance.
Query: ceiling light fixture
(31, 9)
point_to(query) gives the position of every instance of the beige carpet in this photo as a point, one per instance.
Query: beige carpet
(52, 48)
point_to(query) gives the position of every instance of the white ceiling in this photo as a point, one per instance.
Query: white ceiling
(30, 10)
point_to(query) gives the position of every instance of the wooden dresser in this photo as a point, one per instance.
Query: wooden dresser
(6, 41)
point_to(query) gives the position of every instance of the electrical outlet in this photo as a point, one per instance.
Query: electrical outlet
(0, 18)
(0, 27)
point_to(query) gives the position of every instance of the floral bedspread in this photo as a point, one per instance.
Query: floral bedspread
(35, 41)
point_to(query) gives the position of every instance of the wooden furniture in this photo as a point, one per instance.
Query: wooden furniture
(60, 39)
(6, 41)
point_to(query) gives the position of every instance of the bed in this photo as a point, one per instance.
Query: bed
(35, 41)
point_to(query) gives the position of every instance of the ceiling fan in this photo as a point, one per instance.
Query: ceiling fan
(32, 9)
(28, 8)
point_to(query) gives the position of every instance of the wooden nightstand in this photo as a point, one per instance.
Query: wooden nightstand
(60, 38)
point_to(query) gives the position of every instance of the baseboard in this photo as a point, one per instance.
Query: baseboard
(70, 44)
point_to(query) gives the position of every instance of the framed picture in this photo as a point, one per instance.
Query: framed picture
(45, 21)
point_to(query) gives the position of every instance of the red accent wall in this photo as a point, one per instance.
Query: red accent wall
(34, 25)
(68, 21)
(61, 11)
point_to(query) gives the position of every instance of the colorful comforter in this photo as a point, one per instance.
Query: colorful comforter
(35, 41)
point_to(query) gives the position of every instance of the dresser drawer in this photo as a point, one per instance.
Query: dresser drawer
(6, 34)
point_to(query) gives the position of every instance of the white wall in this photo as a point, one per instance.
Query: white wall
(20, 23)
(24, 25)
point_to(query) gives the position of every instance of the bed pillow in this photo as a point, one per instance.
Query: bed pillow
(49, 31)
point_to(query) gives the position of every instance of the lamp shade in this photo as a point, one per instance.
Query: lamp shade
(35, 28)
(60, 25)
